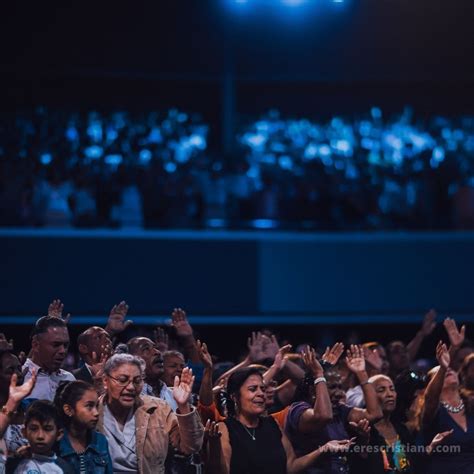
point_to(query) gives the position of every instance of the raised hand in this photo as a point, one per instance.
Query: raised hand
(55, 310)
(372, 356)
(361, 428)
(442, 355)
(456, 337)
(161, 339)
(180, 322)
(204, 355)
(429, 323)
(355, 359)
(438, 439)
(97, 365)
(16, 392)
(116, 322)
(211, 430)
(280, 357)
(183, 387)
(332, 355)
(4, 344)
(270, 347)
(312, 363)
(255, 345)
(337, 446)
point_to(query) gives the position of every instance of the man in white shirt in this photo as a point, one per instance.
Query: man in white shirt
(49, 346)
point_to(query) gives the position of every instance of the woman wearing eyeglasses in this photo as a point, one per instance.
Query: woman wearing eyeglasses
(140, 428)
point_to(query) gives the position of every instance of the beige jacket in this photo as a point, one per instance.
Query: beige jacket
(156, 426)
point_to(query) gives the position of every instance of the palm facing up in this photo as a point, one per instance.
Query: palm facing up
(183, 387)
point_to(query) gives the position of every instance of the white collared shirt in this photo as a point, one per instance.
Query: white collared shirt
(46, 383)
(166, 394)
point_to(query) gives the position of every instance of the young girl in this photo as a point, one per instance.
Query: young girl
(82, 446)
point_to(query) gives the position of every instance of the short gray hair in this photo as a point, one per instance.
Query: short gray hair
(121, 359)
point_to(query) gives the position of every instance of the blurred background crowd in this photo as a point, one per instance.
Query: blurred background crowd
(87, 169)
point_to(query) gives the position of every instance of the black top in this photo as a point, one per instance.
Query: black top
(456, 456)
(264, 455)
(383, 459)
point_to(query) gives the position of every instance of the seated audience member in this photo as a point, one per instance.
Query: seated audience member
(254, 444)
(445, 411)
(146, 349)
(49, 345)
(302, 417)
(140, 429)
(43, 431)
(94, 344)
(81, 446)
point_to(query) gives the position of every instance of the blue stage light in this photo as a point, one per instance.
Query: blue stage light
(293, 3)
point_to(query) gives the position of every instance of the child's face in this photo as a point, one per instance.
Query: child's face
(42, 436)
(86, 411)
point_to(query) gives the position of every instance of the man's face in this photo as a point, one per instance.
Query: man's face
(9, 365)
(42, 436)
(173, 366)
(147, 350)
(50, 348)
(98, 342)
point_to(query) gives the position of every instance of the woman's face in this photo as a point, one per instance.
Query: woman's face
(252, 396)
(270, 390)
(86, 411)
(451, 379)
(386, 395)
(124, 385)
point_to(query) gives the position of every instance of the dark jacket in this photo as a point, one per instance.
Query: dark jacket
(83, 374)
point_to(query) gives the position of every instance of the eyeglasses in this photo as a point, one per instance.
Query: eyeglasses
(124, 381)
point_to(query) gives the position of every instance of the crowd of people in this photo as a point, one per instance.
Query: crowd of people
(162, 402)
(156, 170)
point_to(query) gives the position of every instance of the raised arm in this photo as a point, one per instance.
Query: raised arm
(256, 354)
(185, 334)
(205, 391)
(116, 322)
(187, 434)
(356, 363)
(456, 336)
(16, 394)
(434, 388)
(320, 415)
(427, 327)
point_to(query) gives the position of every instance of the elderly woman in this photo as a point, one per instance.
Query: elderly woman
(138, 428)
(389, 436)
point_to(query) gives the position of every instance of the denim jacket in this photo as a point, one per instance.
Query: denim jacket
(97, 457)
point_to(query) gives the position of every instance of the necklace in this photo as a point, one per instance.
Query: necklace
(453, 409)
(250, 433)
